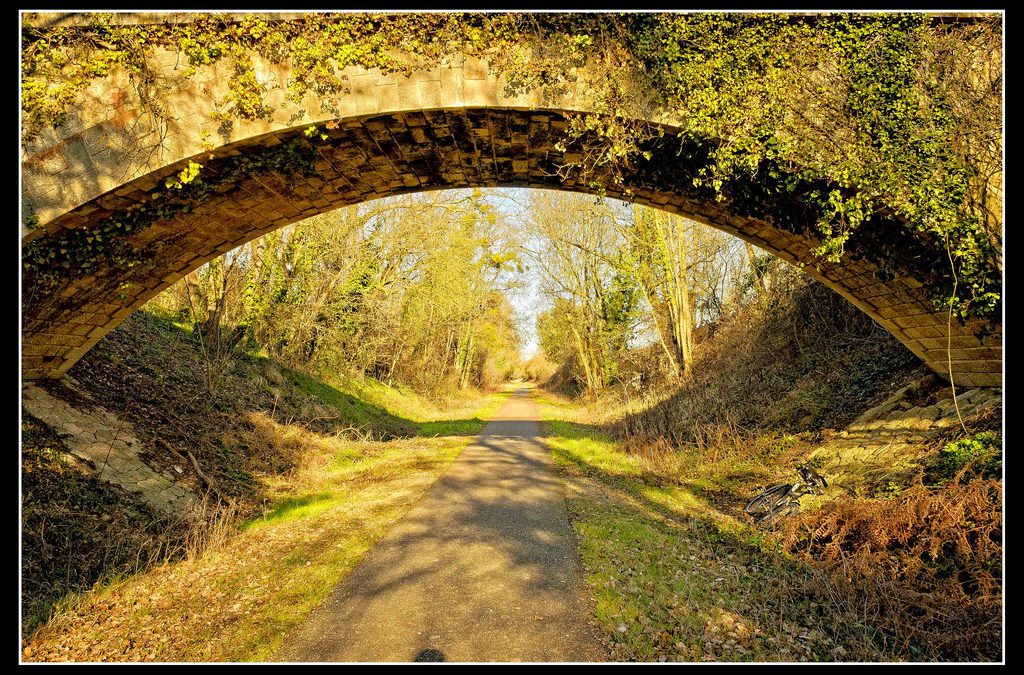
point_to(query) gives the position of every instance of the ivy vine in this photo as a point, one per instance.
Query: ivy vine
(79, 252)
(895, 114)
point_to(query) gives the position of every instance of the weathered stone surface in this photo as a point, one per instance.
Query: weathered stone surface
(888, 442)
(108, 445)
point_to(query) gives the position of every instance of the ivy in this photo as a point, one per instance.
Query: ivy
(858, 115)
(184, 177)
(865, 106)
(83, 251)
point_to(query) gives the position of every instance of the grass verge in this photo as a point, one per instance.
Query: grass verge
(326, 492)
(675, 579)
(399, 411)
(236, 601)
(679, 574)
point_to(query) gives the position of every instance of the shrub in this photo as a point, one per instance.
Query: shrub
(921, 571)
(979, 455)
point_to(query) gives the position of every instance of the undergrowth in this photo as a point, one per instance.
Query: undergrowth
(922, 565)
(923, 570)
(76, 529)
(801, 358)
(911, 573)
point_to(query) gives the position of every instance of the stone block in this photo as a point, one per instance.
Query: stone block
(389, 97)
(451, 87)
(482, 93)
(454, 148)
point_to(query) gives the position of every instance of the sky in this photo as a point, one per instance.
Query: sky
(524, 291)
(526, 299)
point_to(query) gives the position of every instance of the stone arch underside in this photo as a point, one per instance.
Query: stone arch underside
(449, 127)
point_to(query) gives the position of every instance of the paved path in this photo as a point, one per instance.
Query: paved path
(484, 568)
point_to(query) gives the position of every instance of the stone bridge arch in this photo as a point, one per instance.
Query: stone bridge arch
(449, 126)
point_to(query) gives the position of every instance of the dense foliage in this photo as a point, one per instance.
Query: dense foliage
(369, 290)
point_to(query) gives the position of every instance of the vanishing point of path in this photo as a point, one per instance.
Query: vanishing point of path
(483, 568)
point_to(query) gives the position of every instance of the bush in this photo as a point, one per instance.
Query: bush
(978, 455)
(921, 571)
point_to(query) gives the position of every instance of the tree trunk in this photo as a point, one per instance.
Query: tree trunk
(679, 312)
(467, 364)
(759, 281)
(586, 361)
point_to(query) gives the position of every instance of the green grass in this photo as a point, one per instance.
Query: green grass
(470, 427)
(488, 406)
(588, 450)
(302, 506)
(353, 409)
(397, 411)
(236, 601)
(672, 577)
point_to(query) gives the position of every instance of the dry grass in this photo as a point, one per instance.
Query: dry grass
(725, 464)
(802, 359)
(306, 483)
(596, 412)
(656, 457)
(911, 577)
(922, 570)
(239, 590)
(76, 528)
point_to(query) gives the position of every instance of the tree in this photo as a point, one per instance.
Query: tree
(409, 288)
(594, 303)
(657, 251)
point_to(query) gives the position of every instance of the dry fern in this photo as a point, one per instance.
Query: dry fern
(923, 570)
